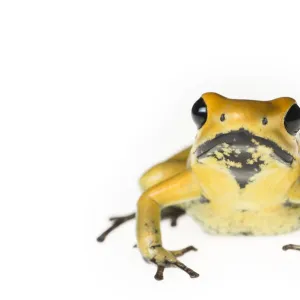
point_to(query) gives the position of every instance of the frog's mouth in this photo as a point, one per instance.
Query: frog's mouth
(238, 150)
(242, 139)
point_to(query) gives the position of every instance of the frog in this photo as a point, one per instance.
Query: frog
(239, 177)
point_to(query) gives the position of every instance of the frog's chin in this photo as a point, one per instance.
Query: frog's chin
(240, 145)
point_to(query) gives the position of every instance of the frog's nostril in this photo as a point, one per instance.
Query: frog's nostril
(265, 121)
(222, 118)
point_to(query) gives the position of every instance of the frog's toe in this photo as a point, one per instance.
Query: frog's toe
(164, 259)
(183, 267)
(291, 247)
(117, 221)
(180, 252)
(159, 273)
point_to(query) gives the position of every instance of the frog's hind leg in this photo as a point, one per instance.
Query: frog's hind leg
(172, 212)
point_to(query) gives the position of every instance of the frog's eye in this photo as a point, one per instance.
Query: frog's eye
(199, 112)
(292, 120)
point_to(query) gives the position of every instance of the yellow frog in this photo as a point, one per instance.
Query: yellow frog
(240, 177)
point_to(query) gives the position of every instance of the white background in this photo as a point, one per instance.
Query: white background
(92, 94)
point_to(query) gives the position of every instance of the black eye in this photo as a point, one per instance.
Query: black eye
(199, 112)
(292, 120)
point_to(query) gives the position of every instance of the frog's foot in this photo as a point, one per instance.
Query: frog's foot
(171, 212)
(163, 259)
(291, 247)
(117, 221)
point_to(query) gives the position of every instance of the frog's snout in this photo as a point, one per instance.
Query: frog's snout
(240, 143)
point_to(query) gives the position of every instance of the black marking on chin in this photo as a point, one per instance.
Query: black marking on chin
(290, 204)
(244, 174)
(241, 140)
(204, 200)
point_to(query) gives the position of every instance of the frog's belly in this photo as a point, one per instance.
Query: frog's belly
(259, 207)
(270, 221)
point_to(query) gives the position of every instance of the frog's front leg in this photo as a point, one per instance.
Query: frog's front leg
(293, 199)
(172, 212)
(180, 188)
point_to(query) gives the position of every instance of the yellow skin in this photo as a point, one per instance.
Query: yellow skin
(206, 187)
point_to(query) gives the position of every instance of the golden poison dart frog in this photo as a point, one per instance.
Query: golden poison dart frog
(240, 177)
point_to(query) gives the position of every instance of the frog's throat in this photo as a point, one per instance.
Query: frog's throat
(243, 139)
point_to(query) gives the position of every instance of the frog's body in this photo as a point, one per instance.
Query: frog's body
(246, 186)
(262, 208)
(241, 176)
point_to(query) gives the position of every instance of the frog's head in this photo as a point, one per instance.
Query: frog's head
(243, 135)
